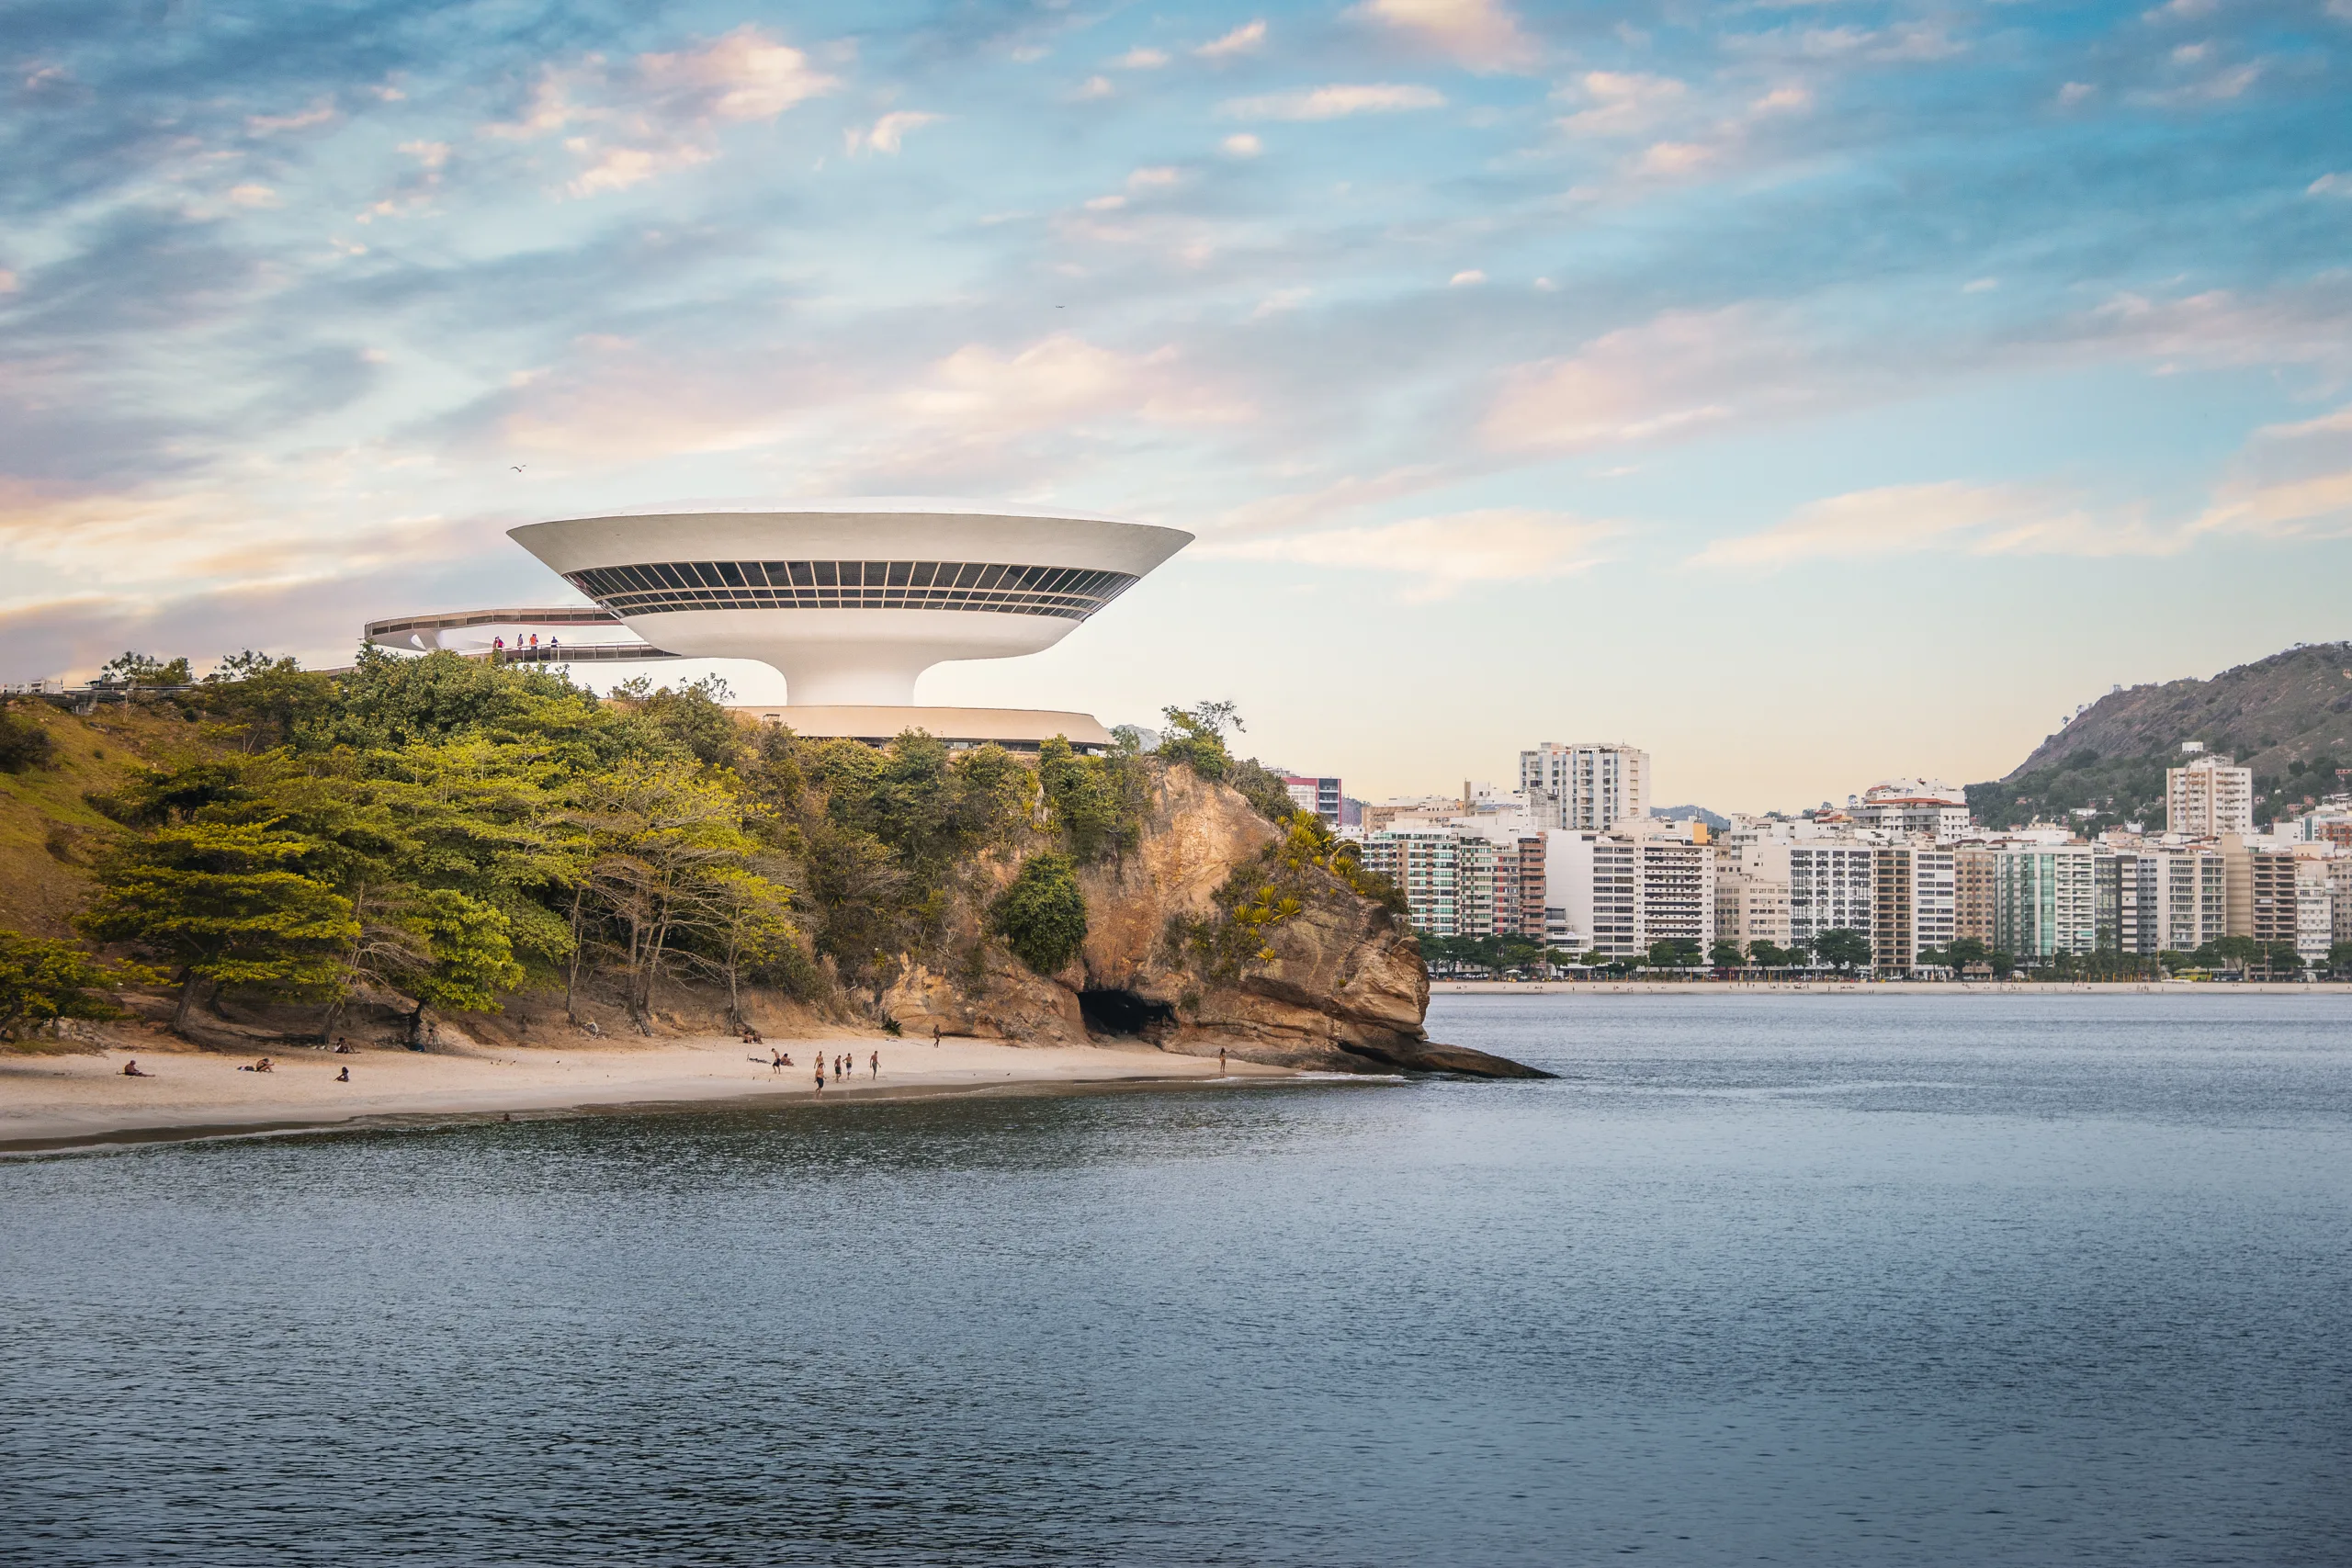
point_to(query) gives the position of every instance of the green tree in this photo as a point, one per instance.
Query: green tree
(738, 922)
(219, 903)
(1195, 737)
(43, 978)
(1095, 803)
(1725, 954)
(2238, 953)
(143, 669)
(657, 829)
(1843, 950)
(262, 702)
(2339, 958)
(2281, 959)
(1769, 956)
(694, 718)
(386, 701)
(1041, 914)
(1673, 953)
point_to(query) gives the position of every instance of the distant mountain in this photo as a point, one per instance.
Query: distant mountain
(1716, 822)
(2288, 718)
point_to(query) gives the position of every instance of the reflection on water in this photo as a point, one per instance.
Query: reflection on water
(1883, 1280)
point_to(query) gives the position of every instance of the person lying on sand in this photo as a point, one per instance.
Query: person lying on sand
(261, 1066)
(130, 1070)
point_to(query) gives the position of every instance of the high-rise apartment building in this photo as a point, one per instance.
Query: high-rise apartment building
(1455, 880)
(1913, 806)
(2117, 873)
(1674, 891)
(2314, 911)
(1591, 879)
(2259, 886)
(2158, 898)
(2045, 900)
(1585, 787)
(1912, 905)
(2208, 797)
(1321, 796)
(1618, 892)
(1520, 889)
(1749, 907)
(1972, 875)
(1832, 884)
(2184, 898)
(1425, 864)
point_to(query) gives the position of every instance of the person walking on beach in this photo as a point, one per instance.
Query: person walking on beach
(821, 1075)
(1220, 1061)
(876, 1063)
(776, 1062)
(935, 1037)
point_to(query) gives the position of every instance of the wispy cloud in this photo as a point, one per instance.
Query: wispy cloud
(2292, 481)
(1669, 376)
(887, 134)
(1481, 34)
(1247, 39)
(1334, 102)
(1621, 103)
(659, 112)
(1973, 519)
(1443, 554)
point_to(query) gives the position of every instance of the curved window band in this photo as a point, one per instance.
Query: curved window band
(987, 587)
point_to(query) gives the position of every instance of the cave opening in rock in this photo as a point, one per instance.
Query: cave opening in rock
(1123, 1012)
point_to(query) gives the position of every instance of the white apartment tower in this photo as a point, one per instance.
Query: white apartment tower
(1831, 886)
(1585, 786)
(1616, 893)
(2208, 797)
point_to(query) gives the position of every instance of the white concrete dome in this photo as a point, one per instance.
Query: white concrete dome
(851, 604)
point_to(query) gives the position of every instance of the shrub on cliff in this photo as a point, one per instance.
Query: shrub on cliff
(1196, 738)
(1097, 803)
(24, 744)
(1042, 915)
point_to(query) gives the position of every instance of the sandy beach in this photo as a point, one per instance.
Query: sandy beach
(50, 1102)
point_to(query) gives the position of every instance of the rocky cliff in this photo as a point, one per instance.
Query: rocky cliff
(1218, 930)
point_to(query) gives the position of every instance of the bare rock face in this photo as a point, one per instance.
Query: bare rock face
(1008, 1003)
(1332, 981)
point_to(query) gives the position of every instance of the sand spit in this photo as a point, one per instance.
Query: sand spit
(59, 1102)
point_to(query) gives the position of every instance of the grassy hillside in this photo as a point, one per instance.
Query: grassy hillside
(48, 833)
(2288, 718)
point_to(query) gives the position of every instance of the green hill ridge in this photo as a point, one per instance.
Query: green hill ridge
(2288, 718)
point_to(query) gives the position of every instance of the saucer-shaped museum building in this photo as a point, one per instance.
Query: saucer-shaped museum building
(851, 604)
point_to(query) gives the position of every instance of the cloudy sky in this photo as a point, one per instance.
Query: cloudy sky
(1808, 392)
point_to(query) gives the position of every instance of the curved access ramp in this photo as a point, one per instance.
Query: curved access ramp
(425, 634)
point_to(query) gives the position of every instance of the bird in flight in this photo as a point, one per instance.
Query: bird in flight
(516, 467)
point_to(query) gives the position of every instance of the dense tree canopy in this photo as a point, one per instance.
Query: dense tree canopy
(439, 832)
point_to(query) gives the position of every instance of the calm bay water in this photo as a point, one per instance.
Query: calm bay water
(1790, 1280)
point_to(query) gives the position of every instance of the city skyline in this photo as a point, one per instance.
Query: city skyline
(1809, 395)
